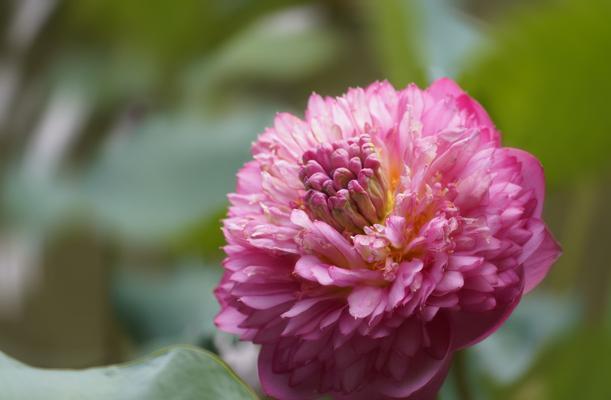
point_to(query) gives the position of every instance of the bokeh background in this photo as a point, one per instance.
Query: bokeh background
(122, 124)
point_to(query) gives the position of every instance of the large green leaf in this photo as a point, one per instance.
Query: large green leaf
(179, 373)
(545, 81)
(151, 185)
(154, 183)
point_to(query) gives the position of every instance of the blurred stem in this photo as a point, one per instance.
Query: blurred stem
(597, 278)
(459, 369)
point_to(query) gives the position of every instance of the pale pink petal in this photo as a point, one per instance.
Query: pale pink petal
(364, 300)
(311, 268)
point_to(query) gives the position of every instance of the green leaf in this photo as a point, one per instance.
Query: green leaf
(281, 47)
(178, 373)
(545, 81)
(153, 184)
(175, 304)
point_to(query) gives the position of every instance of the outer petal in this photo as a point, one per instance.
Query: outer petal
(429, 371)
(447, 87)
(428, 392)
(469, 328)
(541, 259)
(249, 179)
(533, 177)
(431, 389)
(276, 384)
(444, 87)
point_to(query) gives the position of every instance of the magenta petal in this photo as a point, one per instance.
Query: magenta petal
(426, 370)
(430, 390)
(469, 328)
(533, 177)
(538, 264)
(300, 306)
(277, 384)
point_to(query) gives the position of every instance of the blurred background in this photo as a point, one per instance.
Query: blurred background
(123, 123)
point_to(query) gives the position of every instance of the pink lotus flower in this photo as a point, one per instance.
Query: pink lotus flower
(370, 241)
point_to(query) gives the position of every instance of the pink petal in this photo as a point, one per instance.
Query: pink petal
(249, 178)
(443, 87)
(469, 328)
(539, 262)
(263, 302)
(301, 306)
(533, 177)
(451, 281)
(349, 277)
(312, 269)
(364, 300)
(229, 320)
(277, 384)
(428, 375)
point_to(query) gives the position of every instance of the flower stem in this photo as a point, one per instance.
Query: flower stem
(459, 369)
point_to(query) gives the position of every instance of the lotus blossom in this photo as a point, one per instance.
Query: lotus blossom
(369, 241)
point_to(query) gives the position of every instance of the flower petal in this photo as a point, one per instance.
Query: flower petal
(363, 300)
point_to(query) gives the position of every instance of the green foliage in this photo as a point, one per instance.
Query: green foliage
(394, 34)
(576, 367)
(154, 184)
(545, 82)
(514, 348)
(267, 49)
(169, 31)
(174, 305)
(178, 373)
(204, 238)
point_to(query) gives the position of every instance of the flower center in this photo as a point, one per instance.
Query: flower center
(345, 186)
